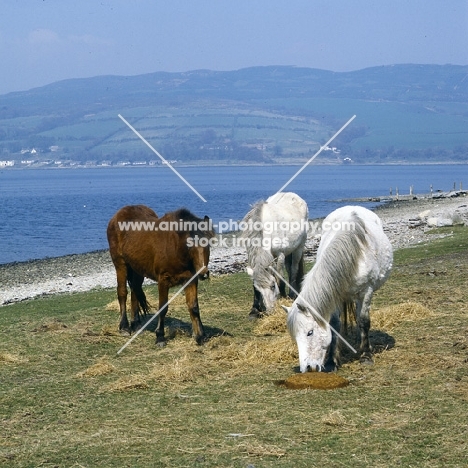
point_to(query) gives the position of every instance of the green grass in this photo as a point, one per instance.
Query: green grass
(217, 405)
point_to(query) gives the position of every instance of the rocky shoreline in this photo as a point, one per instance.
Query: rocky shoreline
(406, 223)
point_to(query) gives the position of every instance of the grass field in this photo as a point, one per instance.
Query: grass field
(68, 400)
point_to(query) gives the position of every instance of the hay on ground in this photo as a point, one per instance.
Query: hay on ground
(315, 380)
(102, 367)
(389, 317)
(334, 418)
(11, 358)
(125, 384)
(275, 322)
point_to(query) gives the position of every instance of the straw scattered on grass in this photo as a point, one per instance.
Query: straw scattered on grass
(9, 358)
(102, 367)
(387, 318)
(334, 418)
(125, 384)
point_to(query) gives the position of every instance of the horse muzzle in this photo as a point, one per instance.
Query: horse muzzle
(315, 368)
(204, 275)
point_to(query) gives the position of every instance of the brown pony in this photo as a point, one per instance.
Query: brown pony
(163, 249)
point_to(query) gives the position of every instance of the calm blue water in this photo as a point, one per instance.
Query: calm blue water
(49, 213)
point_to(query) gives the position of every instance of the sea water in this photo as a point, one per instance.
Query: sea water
(55, 212)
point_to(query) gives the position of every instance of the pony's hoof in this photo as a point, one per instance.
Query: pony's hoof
(200, 340)
(366, 360)
(161, 344)
(124, 332)
(255, 314)
(330, 368)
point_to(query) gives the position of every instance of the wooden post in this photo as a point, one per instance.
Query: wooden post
(396, 191)
(411, 190)
(431, 190)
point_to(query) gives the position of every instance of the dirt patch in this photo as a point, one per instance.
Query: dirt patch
(314, 380)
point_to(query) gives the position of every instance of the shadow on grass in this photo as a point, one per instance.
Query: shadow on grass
(379, 340)
(178, 327)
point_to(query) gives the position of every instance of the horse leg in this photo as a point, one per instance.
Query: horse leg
(282, 285)
(282, 261)
(363, 322)
(332, 360)
(121, 270)
(191, 299)
(137, 298)
(163, 290)
(296, 272)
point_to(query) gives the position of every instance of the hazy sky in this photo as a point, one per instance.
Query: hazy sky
(42, 41)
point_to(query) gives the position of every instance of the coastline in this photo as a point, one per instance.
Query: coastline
(94, 270)
(238, 164)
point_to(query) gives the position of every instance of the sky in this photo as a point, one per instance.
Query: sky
(44, 41)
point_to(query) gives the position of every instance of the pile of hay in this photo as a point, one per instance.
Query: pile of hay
(102, 367)
(389, 317)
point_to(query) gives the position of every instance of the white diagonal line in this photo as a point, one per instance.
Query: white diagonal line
(314, 311)
(316, 154)
(159, 311)
(160, 157)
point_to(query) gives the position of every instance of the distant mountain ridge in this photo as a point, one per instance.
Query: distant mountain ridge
(399, 107)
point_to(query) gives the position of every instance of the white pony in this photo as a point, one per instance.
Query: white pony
(274, 233)
(354, 259)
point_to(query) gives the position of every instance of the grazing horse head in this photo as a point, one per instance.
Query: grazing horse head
(275, 232)
(200, 257)
(313, 336)
(354, 259)
(265, 286)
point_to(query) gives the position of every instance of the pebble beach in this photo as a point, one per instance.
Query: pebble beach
(406, 223)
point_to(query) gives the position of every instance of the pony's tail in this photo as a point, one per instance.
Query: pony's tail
(135, 286)
(348, 315)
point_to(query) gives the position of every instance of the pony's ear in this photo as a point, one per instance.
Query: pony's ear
(206, 219)
(249, 271)
(286, 309)
(305, 310)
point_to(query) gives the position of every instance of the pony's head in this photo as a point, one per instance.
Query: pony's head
(198, 242)
(312, 335)
(265, 286)
(200, 257)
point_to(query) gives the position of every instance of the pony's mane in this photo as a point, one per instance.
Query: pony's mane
(333, 274)
(254, 215)
(185, 215)
(259, 258)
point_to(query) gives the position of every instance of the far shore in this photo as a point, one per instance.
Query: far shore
(228, 164)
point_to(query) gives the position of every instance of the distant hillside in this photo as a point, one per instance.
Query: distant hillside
(409, 113)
